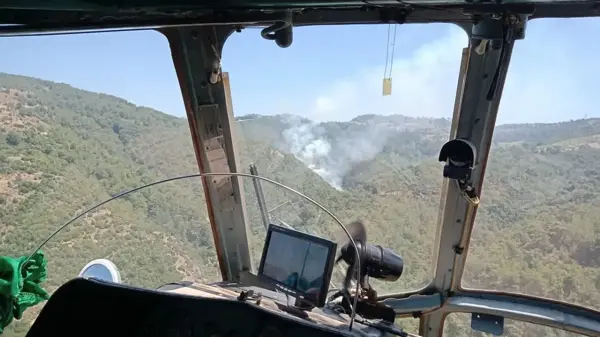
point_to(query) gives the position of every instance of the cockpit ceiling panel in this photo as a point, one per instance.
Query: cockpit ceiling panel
(97, 4)
(148, 5)
(19, 17)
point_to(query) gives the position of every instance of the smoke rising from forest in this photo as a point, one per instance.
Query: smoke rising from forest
(332, 150)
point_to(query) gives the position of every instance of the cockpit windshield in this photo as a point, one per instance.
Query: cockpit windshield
(352, 116)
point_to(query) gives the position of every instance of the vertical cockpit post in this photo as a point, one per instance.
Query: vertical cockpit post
(481, 80)
(196, 53)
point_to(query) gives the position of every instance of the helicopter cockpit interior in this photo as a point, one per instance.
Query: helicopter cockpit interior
(292, 288)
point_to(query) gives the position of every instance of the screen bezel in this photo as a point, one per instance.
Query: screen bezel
(332, 246)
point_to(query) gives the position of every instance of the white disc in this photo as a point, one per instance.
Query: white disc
(101, 269)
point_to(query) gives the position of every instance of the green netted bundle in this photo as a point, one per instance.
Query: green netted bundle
(20, 286)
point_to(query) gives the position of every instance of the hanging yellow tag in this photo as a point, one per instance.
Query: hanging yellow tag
(387, 86)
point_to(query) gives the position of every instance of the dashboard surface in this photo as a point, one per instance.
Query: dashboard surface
(83, 307)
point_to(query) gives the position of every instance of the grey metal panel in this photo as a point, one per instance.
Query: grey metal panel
(538, 311)
(196, 54)
(513, 306)
(414, 303)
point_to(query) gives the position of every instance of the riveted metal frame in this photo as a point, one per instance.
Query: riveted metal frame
(196, 54)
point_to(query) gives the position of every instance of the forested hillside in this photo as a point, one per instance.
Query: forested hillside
(63, 150)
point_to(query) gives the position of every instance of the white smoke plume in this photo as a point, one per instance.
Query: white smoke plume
(331, 151)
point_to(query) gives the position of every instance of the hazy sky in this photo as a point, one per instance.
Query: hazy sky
(331, 73)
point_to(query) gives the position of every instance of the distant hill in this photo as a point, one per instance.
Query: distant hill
(63, 149)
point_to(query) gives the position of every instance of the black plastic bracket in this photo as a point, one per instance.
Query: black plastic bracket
(281, 31)
(459, 155)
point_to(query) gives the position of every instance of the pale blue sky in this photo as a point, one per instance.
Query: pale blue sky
(331, 73)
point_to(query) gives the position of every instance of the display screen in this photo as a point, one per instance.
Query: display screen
(298, 262)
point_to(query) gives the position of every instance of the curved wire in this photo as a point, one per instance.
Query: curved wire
(121, 194)
(209, 174)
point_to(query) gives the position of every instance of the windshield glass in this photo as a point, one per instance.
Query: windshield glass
(334, 136)
(537, 231)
